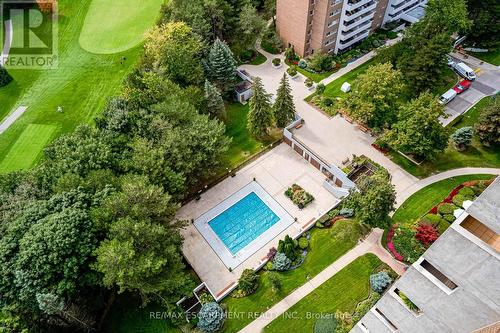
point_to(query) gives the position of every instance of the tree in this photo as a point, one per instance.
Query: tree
(221, 66)
(374, 199)
(248, 281)
(174, 51)
(462, 137)
(5, 77)
(275, 281)
(215, 104)
(488, 126)
(320, 62)
(380, 281)
(260, 113)
(284, 108)
(485, 28)
(251, 26)
(419, 131)
(376, 96)
(211, 317)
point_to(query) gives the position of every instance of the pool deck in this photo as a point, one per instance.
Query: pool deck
(275, 172)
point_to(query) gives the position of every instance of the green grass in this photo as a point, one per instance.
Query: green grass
(324, 250)
(492, 57)
(81, 84)
(243, 144)
(477, 155)
(341, 292)
(258, 60)
(27, 147)
(116, 26)
(420, 202)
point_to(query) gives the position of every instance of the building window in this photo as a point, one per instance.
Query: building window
(311, 12)
(363, 327)
(438, 275)
(335, 2)
(335, 12)
(385, 320)
(407, 302)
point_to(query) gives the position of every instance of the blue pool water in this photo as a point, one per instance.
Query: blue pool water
(244, 221)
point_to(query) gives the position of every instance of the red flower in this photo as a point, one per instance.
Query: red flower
(426, 234)
(390, 245)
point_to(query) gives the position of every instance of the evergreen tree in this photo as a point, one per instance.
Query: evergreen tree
(221, 66)
(215, 104)
(283, 108)
(5, 77)
(260, 114)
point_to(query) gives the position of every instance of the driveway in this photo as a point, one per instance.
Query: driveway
(486, 84)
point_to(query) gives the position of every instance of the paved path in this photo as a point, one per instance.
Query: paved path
(440, 176)
(371, 244)
(11, 118)
(7, 43)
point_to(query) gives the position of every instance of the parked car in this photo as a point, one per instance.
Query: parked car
(465, 71)
(447, 97)
(462, 86)
(450, 61)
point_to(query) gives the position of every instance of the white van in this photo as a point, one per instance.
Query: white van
(465, 71)
(447, 97)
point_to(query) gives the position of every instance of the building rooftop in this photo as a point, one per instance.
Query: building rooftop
(486, 208)
(414, 15)
(243, 86)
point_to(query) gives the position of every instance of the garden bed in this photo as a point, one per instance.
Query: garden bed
(299, 196)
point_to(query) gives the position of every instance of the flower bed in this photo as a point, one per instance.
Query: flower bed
(299, 196)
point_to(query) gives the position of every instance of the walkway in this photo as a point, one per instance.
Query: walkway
(443, 175)
(370, 245)
(8, 42)
(11, 118)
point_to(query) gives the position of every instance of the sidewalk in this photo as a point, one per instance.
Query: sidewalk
(370, 245)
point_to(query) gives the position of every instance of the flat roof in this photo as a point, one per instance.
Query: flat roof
(243, 86)
(417, 12)
(486, 208)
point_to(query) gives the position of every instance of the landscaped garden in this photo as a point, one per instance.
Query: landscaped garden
(72, 85)
(299, 196)
(429, 212)
(325, 245)
(474, 155)
(339, 302)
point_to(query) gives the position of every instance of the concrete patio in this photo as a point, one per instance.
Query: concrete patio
(275, 171)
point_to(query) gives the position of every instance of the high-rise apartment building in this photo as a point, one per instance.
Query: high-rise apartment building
(333, 26)
(455, 286)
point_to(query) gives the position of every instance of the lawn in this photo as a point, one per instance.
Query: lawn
(27, 148)
(243, 144)
(492, 57)
(80, 85)
(326, 246)
(341, 292)
(477, 155)
(423, 200)
(116, 26)
(258, 60)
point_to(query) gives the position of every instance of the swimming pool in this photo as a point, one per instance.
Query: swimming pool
(243, 222)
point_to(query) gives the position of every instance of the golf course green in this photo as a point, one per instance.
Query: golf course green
(116, 26)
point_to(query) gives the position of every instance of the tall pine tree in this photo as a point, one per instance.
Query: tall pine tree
(215, 104)
(260, 116)
(221, 67)
(284, 108)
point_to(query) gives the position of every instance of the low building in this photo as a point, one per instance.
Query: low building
(334, 26)
(243, 89)
(455, 285)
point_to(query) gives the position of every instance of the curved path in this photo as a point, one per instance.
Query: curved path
(371, 244)
(7, 43)
(440, 176)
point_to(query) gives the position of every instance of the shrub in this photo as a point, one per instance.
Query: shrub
(319, 224)
(248, 282)
(380, 281)
(290, 54)
(302, 63)
(392, 34)
(433, 219)
(328, 101)
(275, 281)
(489, 122)
(327, 324)
(459, 200)
(303, 243)
(299, 196)
(308, 82)
(5, 77)
(426, 234)
(442, 226)
(449, 217)
(276, 61)
(467, 192)
(320, 62)
(269, 266)
(347, 212)
(320, 89)
(281, 262)
(211, 317)
(291, 71)
(462, 137)
(206, 298)
(446, 208)
(406, 245)
(288, 246)
(365, 305)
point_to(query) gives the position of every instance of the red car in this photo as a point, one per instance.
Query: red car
(462, 86)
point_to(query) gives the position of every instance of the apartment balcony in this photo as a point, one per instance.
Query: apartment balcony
(368, 8)
(358, 20)
(403, 7)
(359, 28)
(352, 5)
(345, 43)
